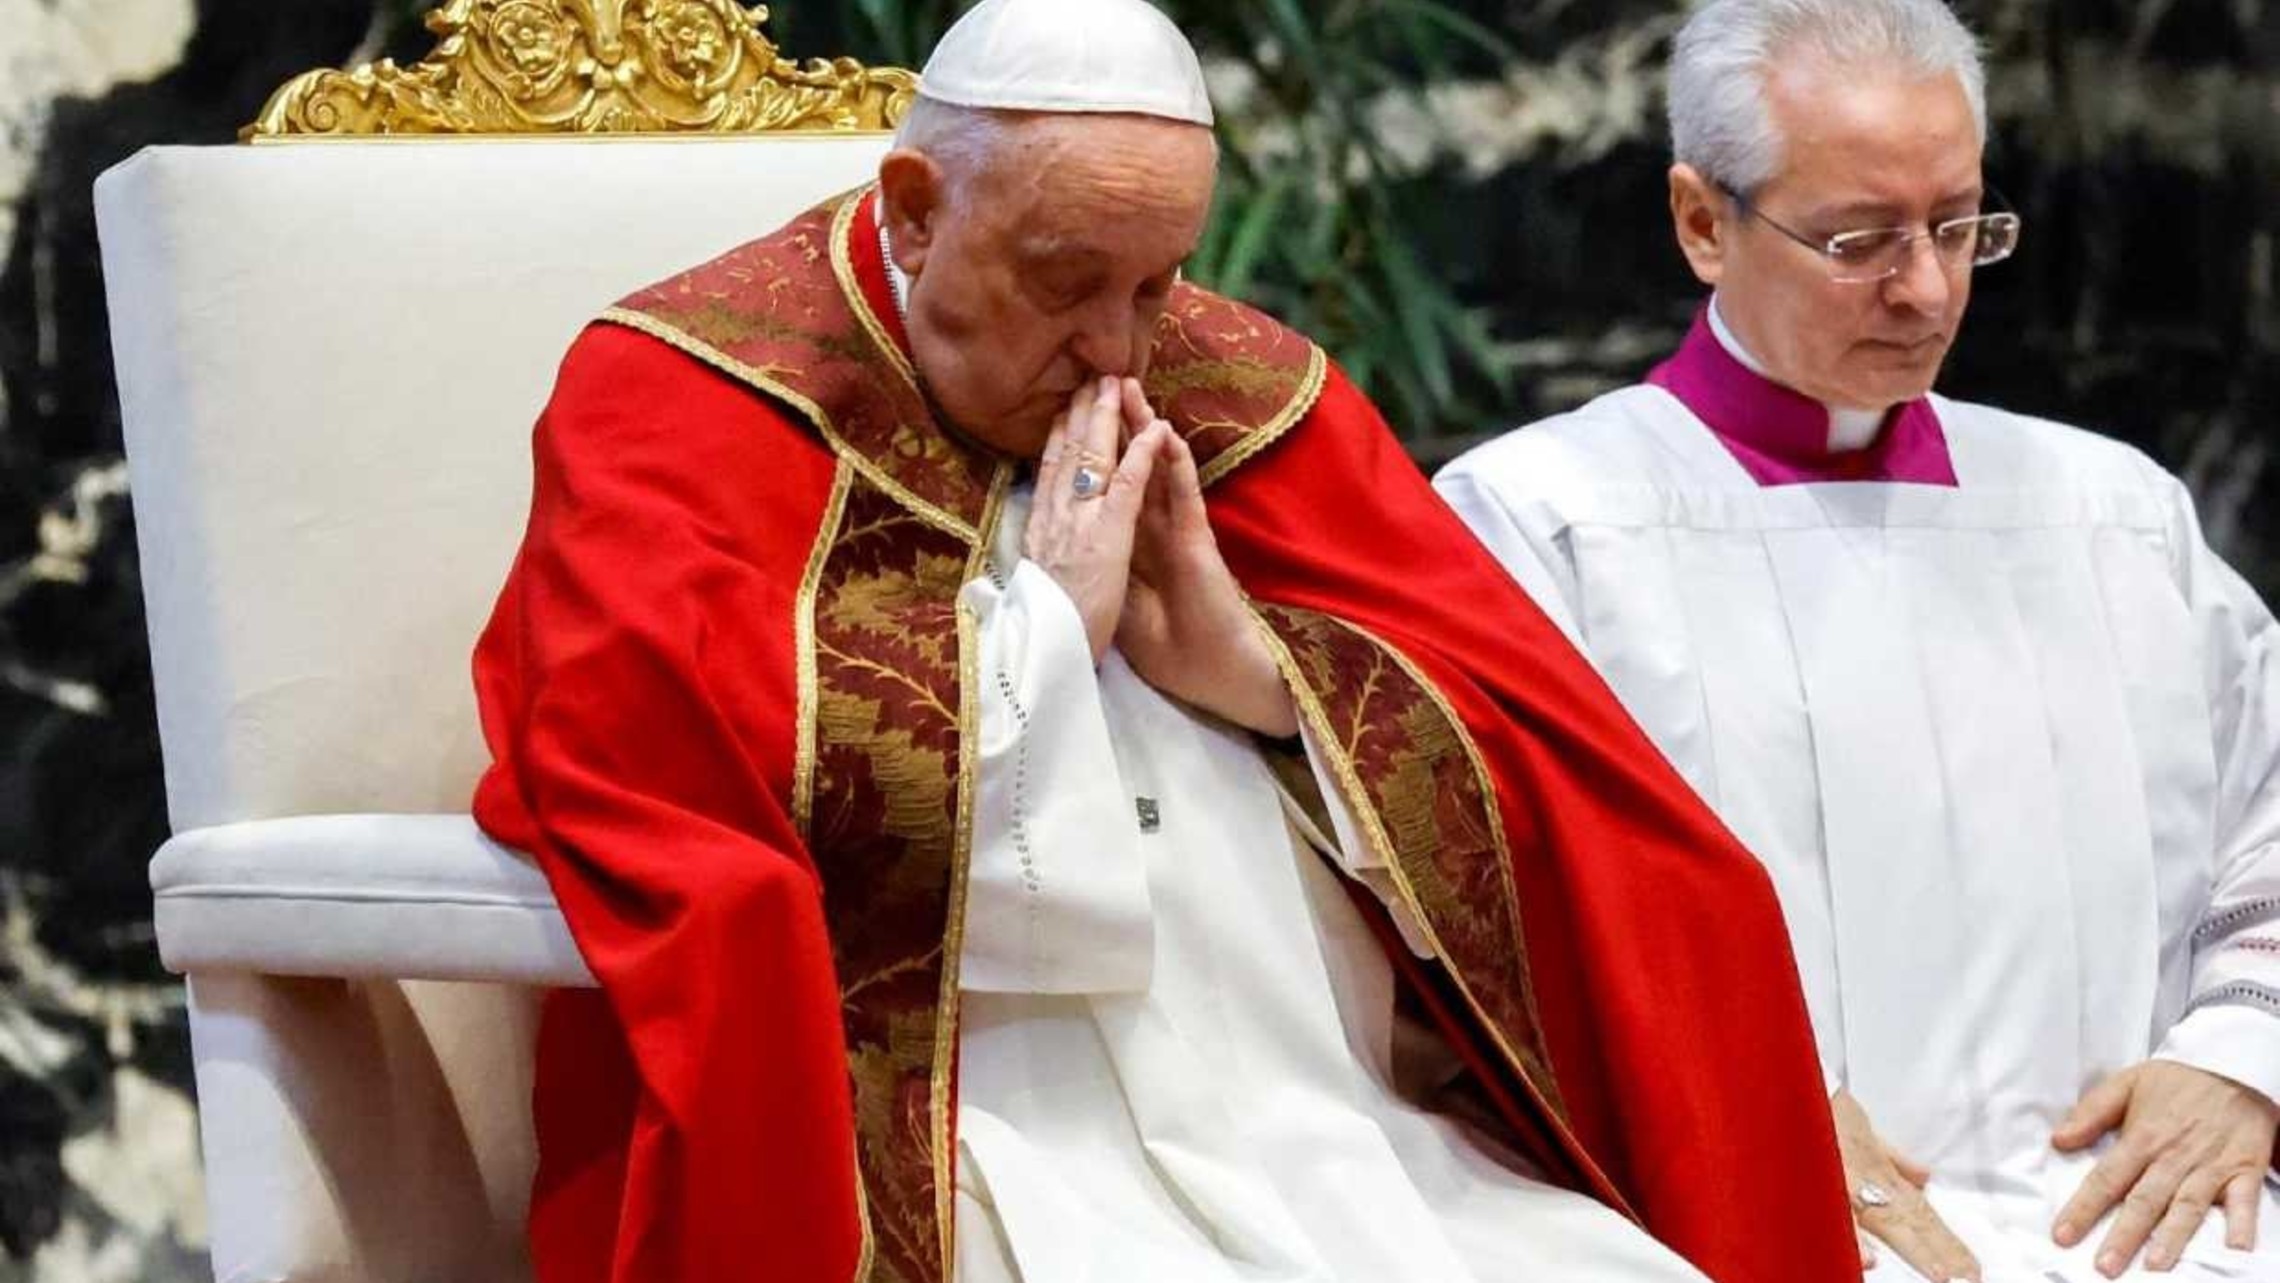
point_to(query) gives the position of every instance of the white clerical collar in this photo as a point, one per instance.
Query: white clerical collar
(898, 282)
(1849, 430)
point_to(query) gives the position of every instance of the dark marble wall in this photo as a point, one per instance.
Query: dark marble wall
(2141, 140)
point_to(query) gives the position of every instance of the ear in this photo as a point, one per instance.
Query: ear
(911, 191)
(1698, 214)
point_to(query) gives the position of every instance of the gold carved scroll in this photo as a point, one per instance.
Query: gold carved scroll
(591, 67)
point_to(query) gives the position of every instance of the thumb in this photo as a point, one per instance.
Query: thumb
(2100, 1111)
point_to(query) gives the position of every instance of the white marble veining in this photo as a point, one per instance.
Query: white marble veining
(75, 48)
(136, 1208)
(70, 530)
(132, 1208)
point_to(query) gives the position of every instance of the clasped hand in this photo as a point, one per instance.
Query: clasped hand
(1134, 551)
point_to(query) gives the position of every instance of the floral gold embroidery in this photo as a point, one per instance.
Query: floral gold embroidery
(1232, 380)
(885, 826)
(1414, 781)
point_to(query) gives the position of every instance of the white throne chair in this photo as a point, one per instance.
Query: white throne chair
(331, 347)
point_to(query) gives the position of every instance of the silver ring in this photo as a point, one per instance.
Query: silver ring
(1088, 482)
(1871, 1196)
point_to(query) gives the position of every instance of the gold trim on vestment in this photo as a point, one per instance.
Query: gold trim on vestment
(943, 1104)
(872, 472)
(1357, 797)
(803, 626)
(804, 759)
(859, 302)
(1301, 404)
(961, 864)
(869, 1259)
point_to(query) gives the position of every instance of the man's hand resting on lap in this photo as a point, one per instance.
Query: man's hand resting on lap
(2188, 1141)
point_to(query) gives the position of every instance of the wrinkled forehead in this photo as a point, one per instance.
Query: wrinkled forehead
(1073, 156)
(1099, 182)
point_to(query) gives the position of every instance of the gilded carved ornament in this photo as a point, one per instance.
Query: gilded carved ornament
(591, 67)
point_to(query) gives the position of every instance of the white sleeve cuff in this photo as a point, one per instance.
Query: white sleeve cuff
(2234, 1041)
(1057, 890)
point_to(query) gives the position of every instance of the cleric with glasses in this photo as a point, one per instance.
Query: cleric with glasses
(2002, 728)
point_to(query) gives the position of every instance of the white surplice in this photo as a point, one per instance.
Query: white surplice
(1176, 1054)
(2008, 749)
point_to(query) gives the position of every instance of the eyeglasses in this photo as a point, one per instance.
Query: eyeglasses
(1880, 253)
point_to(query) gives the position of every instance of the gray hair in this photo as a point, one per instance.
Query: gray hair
(962, 140)
(1719, 120)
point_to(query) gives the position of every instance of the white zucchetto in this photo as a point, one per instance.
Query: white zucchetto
(1121, 56)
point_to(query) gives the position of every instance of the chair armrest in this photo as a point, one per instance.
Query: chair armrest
(416, 897)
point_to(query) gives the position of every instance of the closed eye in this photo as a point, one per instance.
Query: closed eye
(1062, 296)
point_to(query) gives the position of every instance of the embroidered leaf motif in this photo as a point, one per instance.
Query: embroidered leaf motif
(1416, 775)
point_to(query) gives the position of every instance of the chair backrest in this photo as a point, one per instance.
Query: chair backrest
(330, 355)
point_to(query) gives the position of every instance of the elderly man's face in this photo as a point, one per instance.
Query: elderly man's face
(1862, 150)
(1051, 270)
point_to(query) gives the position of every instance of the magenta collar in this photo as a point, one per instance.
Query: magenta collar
(1781, 436)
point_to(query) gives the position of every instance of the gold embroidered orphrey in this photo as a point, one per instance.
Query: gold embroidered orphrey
(590, 67)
